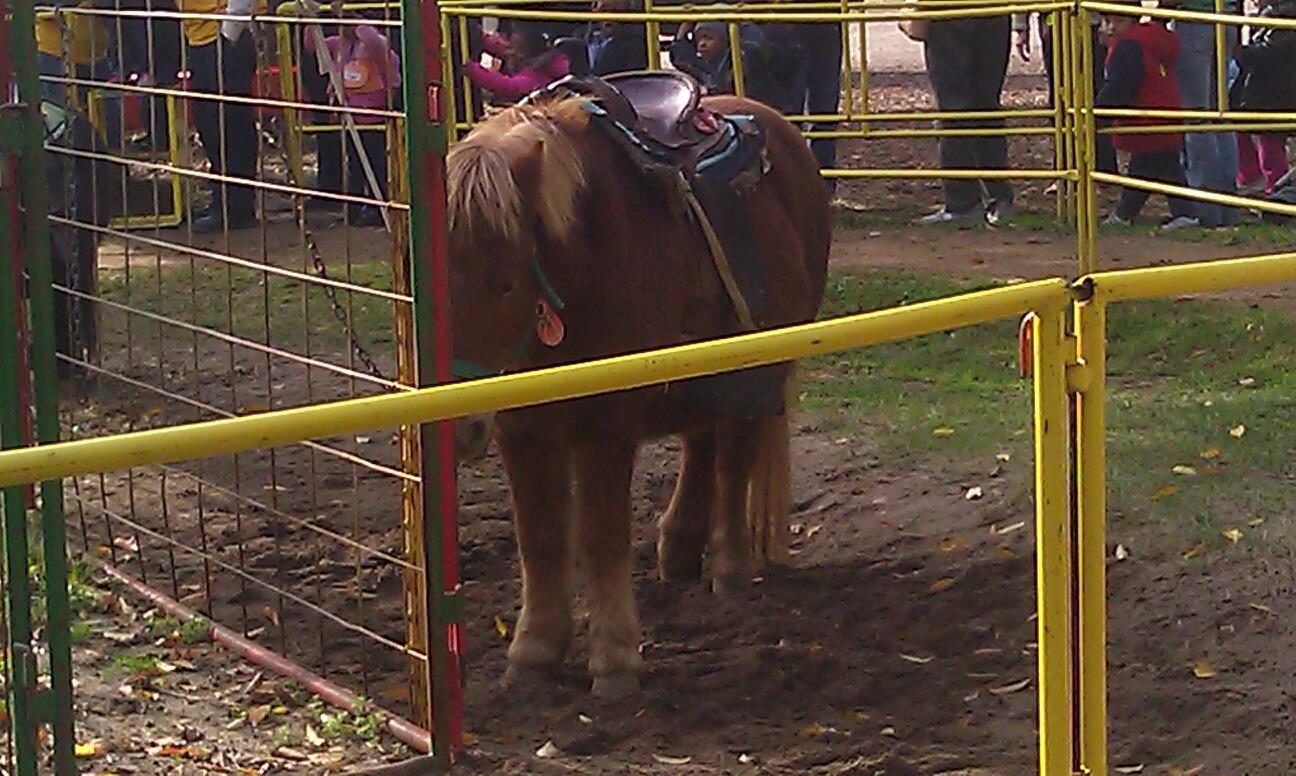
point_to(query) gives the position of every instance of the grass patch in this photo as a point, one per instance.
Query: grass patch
(1183, 377)
(249, 304)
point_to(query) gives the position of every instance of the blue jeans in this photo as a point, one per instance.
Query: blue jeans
(1212, 156)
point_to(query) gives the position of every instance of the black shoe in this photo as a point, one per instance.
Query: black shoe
(213, 220)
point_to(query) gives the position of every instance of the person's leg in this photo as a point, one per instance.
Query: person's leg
(1132, 200)
(374, 144)
(823, 52)
(949, 54)
(1273, 158)
(1248, 160)
(328, 145)
(1208, 160)
(216, 71)
(1104, 151)
(239, 63)
(992, 40)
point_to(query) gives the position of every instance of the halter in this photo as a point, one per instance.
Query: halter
(470, 370)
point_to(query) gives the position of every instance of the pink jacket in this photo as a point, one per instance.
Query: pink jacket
(367, 62)
(514, 86)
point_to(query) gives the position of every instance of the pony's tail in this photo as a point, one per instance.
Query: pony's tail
(769, 495)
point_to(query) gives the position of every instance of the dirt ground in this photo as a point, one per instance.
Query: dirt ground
(902, 640)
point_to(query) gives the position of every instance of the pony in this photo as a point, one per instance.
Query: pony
(542, 204)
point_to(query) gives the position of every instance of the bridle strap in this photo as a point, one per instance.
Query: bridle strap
(470, 370)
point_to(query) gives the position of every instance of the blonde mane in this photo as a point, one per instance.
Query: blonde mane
(482, 192)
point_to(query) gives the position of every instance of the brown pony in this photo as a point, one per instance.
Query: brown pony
(543, 203)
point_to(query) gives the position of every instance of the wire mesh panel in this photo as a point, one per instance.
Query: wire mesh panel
(229, 241)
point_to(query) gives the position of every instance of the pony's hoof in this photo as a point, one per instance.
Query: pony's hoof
(681, 573)
(519, 677)
(613, 687)
(731, 585)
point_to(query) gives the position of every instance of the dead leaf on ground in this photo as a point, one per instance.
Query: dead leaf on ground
(1210, 454)
(1129, 768)
(1237, 431)
(1008, 689)
(313, 738)
(951, 544)
(172, 750)
(943, 432)
(548, 751)
(1168, 490)
(89, 749)
(887, 731)
(1261, 608)
(1010, 528)
(944, 583)
(668, 760)
(1232, 534)
(1184, 471)
(1003, 457)
(1204, 670)
(1194, 551)
(1121, 552)
(973, 493)
(915, 659)
(257, 714)
(501, 628)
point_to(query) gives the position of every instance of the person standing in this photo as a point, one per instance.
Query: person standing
(820, 50)
(1265, 83)
(1212, 156)
(967, 62)
(222, 60)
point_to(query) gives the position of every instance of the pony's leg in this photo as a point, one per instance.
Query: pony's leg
(684, 527)
(733, 564)
(603, 474)
(540, 482)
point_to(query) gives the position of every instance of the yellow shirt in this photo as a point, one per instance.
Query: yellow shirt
(87, 36)
(200, 31)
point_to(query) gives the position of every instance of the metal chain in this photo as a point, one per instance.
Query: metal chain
(317, 259)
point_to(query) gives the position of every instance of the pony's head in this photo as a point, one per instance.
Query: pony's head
(512, 189)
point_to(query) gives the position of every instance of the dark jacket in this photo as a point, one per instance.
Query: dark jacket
(1140, 74)
(1267, 81)
(761, 62)
(625, 50)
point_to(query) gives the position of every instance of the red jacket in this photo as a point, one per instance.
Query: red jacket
(1140, 74)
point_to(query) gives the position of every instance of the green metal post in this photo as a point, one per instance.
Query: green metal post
(18, 602)
(36, 249)
(426, 148)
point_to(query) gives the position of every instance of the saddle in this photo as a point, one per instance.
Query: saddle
(711, 162)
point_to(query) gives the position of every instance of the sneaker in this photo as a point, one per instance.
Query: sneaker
(1253, 188)
(945, 217)
(1116, 220)
(999, 213)
(1179, 222)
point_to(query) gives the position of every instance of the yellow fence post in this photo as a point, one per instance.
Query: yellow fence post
(1091, 532)
(1087, 203)
(1052, 543)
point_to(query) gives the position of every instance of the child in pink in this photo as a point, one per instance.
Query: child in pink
(370, 77)
(529, 64)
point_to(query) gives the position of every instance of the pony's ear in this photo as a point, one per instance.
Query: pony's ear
(548, 176)
(527, 168)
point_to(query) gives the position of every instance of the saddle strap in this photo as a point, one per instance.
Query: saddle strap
(718, 256)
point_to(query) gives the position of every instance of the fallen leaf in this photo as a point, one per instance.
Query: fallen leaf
(1186, 471)
(288, 753)
(1129, 768)
(257, 714)
(951, 544)
(1247, 381)
(1008, 689)
(127, 543)
(973, 493)
(1261, 608)
(944, 583)
(1232, 534)
(887, 731)
(548, 751)
(1210, 454)
(1121, 552)
(943, 432)
(501, 628)
(89, 749)
(313, 738)
(812, 730)
(1237, 431)
(1194, 551)
(746, 759)
(1003, 457)
(1010, 528)
(172, 750)
(1204, 670)
(279, 710)
(1168, 490)
(915, 659)
(363, 440)
(668, 760)
(1259, 521)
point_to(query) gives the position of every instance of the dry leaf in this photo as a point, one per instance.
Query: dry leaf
(1168, 490)
(746, 759)
(171, 750)
(1247, 381)
(313, 738)
(89, 749)
(945, 583)
(1232, 534)
(668, 760)
(1121, 552)
(1008, 689)
(1010, 528)
(887, 731)
(1129, 768)
(1261, 608)
(257, 714)
(1259, 521)
(548, 751)
(501, 628)
(1210, 454)
(1237, 431)
(943, 432)
(951, 544)
(973, 493)
(1194, 551)
(1204, 670)
(812, 730)
(914, 659)
(1186, 471)
(1003, 457)
(584, 719)
(288, 753)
